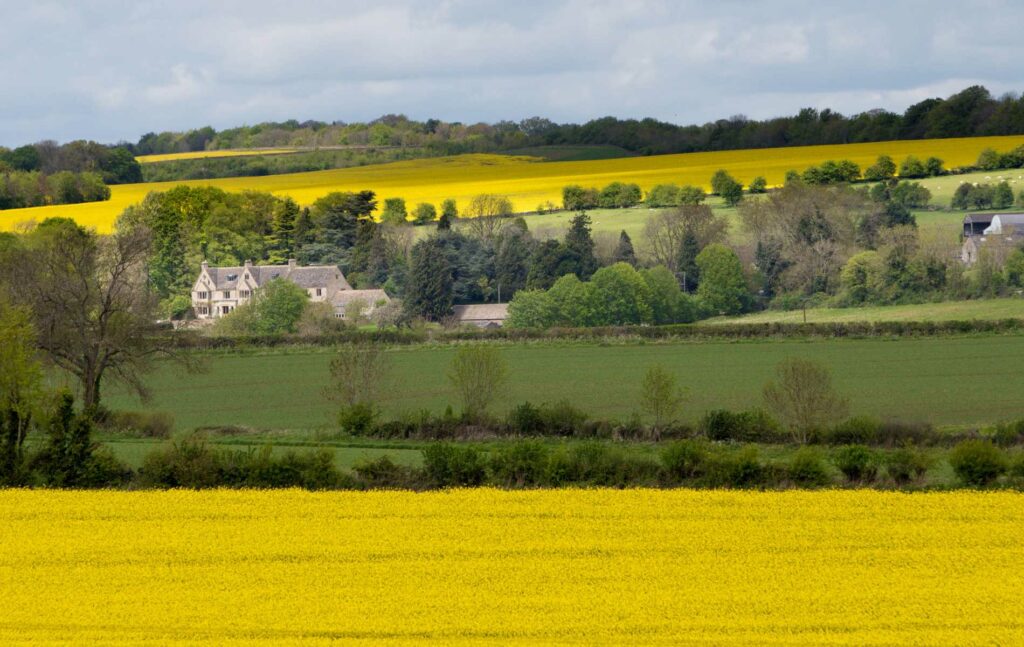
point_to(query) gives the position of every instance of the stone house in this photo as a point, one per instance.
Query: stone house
(219, 290)
(484, 315)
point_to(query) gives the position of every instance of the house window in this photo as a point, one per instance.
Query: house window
(227, 294)
(225, 309)
(244, 294)
(202, 310)
(203, 295)
(319, 292)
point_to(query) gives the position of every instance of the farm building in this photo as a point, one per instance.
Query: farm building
(219, 290)
(484, 315)
(990, 229)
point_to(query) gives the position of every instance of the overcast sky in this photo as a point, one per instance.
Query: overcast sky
(113, 70)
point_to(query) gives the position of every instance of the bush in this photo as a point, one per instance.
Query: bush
(742, 469)
(600, 464)
(139, 424)
(860, 430)
(520, 464)
(977, 463)
(358, 419)
(684, 460)
(383, 473)
(745, 426)
(1008, 434)
(188, 463)
(906, 465)
(807, 469)
(449, 465)
(857, 463)
(559, 419)
(893, 433)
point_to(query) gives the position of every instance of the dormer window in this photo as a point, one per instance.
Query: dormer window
(232, 277)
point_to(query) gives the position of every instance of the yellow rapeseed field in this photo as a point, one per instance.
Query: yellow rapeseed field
(543, 567)
(526, 180)
(236, 152)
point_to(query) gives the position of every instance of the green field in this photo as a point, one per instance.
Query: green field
(949, 381)
(987, 309)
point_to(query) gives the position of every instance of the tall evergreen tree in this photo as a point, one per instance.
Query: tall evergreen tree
(624, 252)
(689, 271)
(511, 262)
(579, 247)
(429, 289)
(283, 229)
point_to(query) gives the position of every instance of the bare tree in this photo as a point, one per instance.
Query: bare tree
(477, 373)
(803, 398)
(358, 375)
(91, 304)
(661, 398)
(664, 232)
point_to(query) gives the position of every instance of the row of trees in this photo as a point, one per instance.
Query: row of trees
(971, 112)
(19, 189)
(114, 164)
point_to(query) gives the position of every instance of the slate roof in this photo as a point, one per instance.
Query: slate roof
(342, 298)
(482, 312)
(312, 276)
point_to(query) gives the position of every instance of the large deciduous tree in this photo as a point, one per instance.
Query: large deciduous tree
(90, 302)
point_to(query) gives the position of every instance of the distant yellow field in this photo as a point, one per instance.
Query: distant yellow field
(486, 566)
(526, 180)
(240, 152)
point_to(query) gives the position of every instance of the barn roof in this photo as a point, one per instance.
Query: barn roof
(482, 312)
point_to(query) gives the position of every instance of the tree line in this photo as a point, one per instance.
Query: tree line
(968, 113)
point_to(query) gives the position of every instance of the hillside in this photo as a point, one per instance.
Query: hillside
(527, 180)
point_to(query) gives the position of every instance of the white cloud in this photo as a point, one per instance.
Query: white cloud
(77, 70)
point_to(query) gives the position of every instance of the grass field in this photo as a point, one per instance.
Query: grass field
(486, 566)
(526, 180)
(1007, 308)
(949, 381)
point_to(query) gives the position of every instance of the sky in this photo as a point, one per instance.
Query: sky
(113, 70)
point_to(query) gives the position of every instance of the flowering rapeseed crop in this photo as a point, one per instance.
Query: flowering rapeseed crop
(244, 152)
(527, 181)
(670, 567)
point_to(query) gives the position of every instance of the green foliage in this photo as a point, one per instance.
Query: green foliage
(691, 195)
(424, 213)
(803, 398)
(663, 195)
(725, 186)
(394, 212)
(454, 465)
(832, 172)
(861, 279)
(808, 469)
(988, 160)
(21, 388)
(913, 167)
(430, 288)
(685, 460)
(722, 287)
(660, 398)
(758, 185)
(624, 252)
(519, 464)
(744, 426)
(1002, 196)
(579, 248)
(531, 309)
(906, 465)
(883, 169)
(69, 457)
(620, 296)
(619, 195)
(577, 198)
(912, 195)
(275, 309)
(857, 463)
(977, 463)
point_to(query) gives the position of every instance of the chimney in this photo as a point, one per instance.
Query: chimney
(205, 265)
(292, 264)
(248, 263)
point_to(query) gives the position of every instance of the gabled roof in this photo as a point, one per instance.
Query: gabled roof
(482, 312)
(342, 298)
(312, 276)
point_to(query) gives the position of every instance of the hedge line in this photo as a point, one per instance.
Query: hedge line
(837, 330)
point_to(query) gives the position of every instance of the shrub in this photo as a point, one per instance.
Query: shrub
(600, 464)
(893, 433)
(525, 420)
(263, 469)
(808, 469)
(358, 419)
(745, 426)
(188, 463)
(1008, 434)
(857, 463)
(684, 460)
(559, 419)
(803, 397)
(520, 464)
(906, 465)
(477, 373)
(139, 424)
(384, 473)
(861, 430)
(977, 463)
(742, 469)
(449, 465)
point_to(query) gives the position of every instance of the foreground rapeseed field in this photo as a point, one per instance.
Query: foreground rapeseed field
(470, 566)
(526, 180)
